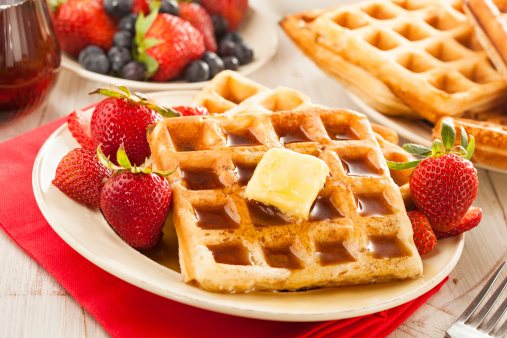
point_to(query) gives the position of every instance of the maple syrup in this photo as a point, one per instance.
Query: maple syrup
(244, 173)
(244, 138)
(338, 132)
(265, 215)
(387, 247)
(323, 209)
(282, 257)
(332, 253)
(292, 134)
(232, 254)
(201, 180)
(215, 218)
(373, 206)
(29, 57)
(359, 167)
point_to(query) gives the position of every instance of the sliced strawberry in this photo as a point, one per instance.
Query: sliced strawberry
(471, 220)
(79, 126)
(424, 238)
(192, 110)
(200, 19)
(81, 176)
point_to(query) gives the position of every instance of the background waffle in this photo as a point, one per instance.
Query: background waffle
(358, 232)
(217, 98)
(422, 50)
(489, 19)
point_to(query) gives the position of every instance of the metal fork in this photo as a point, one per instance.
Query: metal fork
(462, 329)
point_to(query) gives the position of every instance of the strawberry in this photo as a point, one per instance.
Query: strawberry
(445, 184)
(200, 19)
(232, 10)
(192, 110)
(135, 202)
(471, 220)
(80, 23)
(122, 119)
(81, 176)
(79, 126)
(424, 238)
(140, 6)
(166, 44)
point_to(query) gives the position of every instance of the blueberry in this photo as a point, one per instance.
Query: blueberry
(134, 70)
(169, 7)
(233, 36)
(231, 62)
(215, 63)
(197, 71)
(226, 47)
(119, 57)
(123, 39)
(128, 23)
(243, 52)
(117, 7)
(97, 63)
(219, 25)
(92, 49)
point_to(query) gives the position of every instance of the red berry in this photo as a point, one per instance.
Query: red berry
(192, 110)
(136, 206)
(232, 10)
(79, 126)
(444, 188)
(80, 175)
(471, 220)
(200, 19)
(424, 238)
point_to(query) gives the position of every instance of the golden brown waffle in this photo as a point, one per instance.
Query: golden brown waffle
(489, 19)
(490, 138)
(358, 231)
(422, 50)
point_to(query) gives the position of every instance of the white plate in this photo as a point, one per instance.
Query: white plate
(417, 131)
(85, 230)
(256, 30)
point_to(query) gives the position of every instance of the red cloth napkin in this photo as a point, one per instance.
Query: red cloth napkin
(125, 310)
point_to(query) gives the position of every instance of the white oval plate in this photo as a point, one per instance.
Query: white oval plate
(256, 30)
(85, 230)
(417, 131)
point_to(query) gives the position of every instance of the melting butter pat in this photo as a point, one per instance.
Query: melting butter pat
(288, 181)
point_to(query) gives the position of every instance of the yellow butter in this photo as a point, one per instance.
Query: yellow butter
(288, 181)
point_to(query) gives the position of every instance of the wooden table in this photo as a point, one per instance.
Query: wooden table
(33, 304)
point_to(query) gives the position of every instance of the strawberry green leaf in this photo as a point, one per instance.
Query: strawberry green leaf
(111, 92)
(464, 138)
(448, 134)
(470, 148)
(436, 147)
(402, 166)
(148, 43)
(143, 24)
(151, 64)
(416, 149)
(122, 158)
(125, 90)
(105, 160)
(461, 151)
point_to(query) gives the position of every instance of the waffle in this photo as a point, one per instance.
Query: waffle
(216, 98)
(422, 50)
(490, 138)
(489, 19)
(358, 231)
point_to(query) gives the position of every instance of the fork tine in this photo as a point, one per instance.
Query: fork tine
(495, 318)
(489, 305)
(480, 297)
(502, 331)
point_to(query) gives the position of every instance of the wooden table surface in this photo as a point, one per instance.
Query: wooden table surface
(33, 304)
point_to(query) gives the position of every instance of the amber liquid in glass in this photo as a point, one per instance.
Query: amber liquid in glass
(29, 56)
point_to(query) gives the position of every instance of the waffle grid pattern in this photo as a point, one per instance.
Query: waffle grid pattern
(228, 244)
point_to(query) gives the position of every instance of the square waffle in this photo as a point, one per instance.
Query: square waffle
(421, 50)
(358, 231)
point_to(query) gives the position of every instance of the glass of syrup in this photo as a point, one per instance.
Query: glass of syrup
(29, 57)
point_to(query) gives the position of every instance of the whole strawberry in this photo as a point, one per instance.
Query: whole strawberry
(445, 184)
(166, 44)
(232, 10)
(140, 6)
(424, 238)
(79, 126)
(80, 23)
(200, 19)
(135, 202)
(192, 110)
(122, 119)
(471, 220)
(81, 176)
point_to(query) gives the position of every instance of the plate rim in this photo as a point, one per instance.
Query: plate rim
(208, 304)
